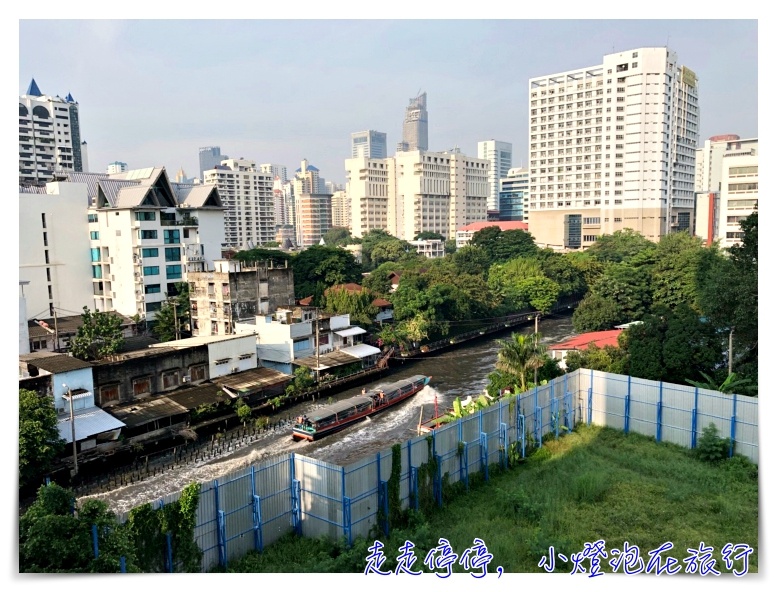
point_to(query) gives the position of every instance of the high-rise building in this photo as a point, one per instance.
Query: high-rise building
(275, 170)
(513, 193)
(117, 167)
(612, 146)
(314, 217)
(368, 143)
(249, 220)
(415, 129)
(49, 137)
(306, 179)
(210, 157)
(341, 209)
(416, 192)
(726, 187)
(500, 156)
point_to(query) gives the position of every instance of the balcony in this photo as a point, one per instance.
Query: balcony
(186, 221)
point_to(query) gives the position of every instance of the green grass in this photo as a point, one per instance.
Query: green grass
(594, 483)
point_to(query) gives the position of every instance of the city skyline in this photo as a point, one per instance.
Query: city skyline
(151, 104)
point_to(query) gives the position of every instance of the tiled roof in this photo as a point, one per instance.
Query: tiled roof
(55, 363)
(600, 338)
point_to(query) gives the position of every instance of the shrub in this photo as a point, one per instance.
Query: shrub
(711, 447)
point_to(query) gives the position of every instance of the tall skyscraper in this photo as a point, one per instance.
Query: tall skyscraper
(307, 179)
(513, 193)
(49, 137)
(247, 194)
(612, 146)
(210, 156)
(415, 129)
(370, 144)
(500, 156)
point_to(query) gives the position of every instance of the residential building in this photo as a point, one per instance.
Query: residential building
(369, 144)
(612, 146)
(431, 248)
(235, 291)
(314, 217)
(582, 342)
(514, 195)
(500, 158)
(55, 333)
(416, 192)
(283, 202)
(464, 234)
(415, 129)
(726, 187)
(286, 236)
(210, 157)
(49, 136)
(117, 167)
(275, 170)
(84, 157)
(53, 248)
(247, 194)
(307, 179)
(341, 209)
(145, 234)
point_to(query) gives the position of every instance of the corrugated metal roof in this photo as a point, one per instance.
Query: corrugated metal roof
(132, 197)
(145, 412)
(351, 331)
(252, 381)
(339, 406)
(600, 338)
(88, 422)
(55, 363)
(196, 196)
(330, 360)
(205, 394)
(361, 350)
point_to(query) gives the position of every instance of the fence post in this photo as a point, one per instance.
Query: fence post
(122, 564)
(438, 480)
(346, 502)
(169, 550)
(257, 512)
(413, 486)
(569, 411)
(554, 416)
(590, 403)
(466, 465)
(659, 410)
(627, 406)
(484, 453)
(219, 531)
(503, 444)
(733, 433)
(694, 412)
(95, 545)
(295, 490)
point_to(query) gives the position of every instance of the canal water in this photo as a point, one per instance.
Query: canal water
(456, 373)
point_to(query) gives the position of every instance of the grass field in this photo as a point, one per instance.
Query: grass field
(592, 484)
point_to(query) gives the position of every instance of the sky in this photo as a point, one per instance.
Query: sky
(151, 92)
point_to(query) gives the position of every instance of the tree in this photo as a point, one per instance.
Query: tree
(338, 236)
(392, 250)
(562, 270)
(450, 246)
(621, 246)
(356, 304)
(472, 260)
(595, 313)
(276, 257)
(39, 440)
(378, 280)
(606, 359)
(519, 355)
(540, 292)
(679, 257)
(99, 335)
(503, 246)
(369, 240)
(172, 319)
(323, 265)
(426, 235)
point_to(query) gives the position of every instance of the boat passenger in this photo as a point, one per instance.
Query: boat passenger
(382, 397)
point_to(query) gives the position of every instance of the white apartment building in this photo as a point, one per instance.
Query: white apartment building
(274, 170)
(54, 249)
(726, 187)
(369, 143)
(612, 146)
(145, 235)
(431, 248)
(415, 192)
(49, 136)
(117, 167)
(341, 209)
(247, 194)
(500, 157)
(314, 217)
(307, 179)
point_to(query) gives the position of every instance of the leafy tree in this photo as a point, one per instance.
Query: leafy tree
(276, 257)
(628, 287)
(378, 280)
(426, 235)
(450, 246)
(99, 335)
(338, 236)
(619, 247)
(302, 381)
(323, 265)
(39, 440)
(732, 384)
(540, 292)
(564, 272)
(357, 304)
(520, 354)
(472, 260)
(606, 359)
(392, 250)
(596, 313)
(54, 537)
(172, 319)
(369, 241)
(502, 246)
(679, 257)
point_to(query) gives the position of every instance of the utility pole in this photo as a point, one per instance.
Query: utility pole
(536, 329)
(730, 350)
(56, 331)
(175, 318)
(72, 430)
(317, 364)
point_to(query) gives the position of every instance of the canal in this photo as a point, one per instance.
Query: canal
(456, 373)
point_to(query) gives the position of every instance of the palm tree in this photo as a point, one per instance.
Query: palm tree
(732, 384)
(520, 354)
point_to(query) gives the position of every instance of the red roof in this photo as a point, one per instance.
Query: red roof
(507, 225)
(600, 338)
(348, 287)
(306, 301)
(380, 303)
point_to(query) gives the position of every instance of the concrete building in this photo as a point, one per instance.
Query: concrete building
(275, 170)
(464, 234)
(431, 249)
(307, 179)
(415, 192)
(415, 128)
(500, 158)
(145, 234)
(283, 202)
(612, 146)
(514, 195)
(117, 167)
(247, 194)
(210, 157)
(314, 217)
(369, 144)
(54, 249)
(234, 292)
(341, 209)
(726, 187)
(49, 136)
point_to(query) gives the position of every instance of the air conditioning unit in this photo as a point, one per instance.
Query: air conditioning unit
(186, 378)
(235, 369)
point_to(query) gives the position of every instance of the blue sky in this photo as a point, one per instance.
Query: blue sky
(151, 92)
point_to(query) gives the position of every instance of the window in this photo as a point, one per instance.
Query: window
(172, 237)
(97, 272)
(152, 289)
(91, 218)
(595, 220)
(198, 372)
(173, 272)
(146, 216)
(170, 379)
(141, 386)
(172, 253)
(618, 219)
(302, 344)
(94, 235)
(109, 394)
(151, 270)
(148, 234)
(150, 252)
(153, 306)
(95, 254)
(589, 238)
(43, 220)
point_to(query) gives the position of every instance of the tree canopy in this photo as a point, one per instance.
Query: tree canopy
(39, 440)
(172, 319)
(275, 256)
(338, 236)
(99, 335)
(502, 246)
(318, 267)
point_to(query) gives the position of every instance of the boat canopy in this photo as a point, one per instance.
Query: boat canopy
(340, 406)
